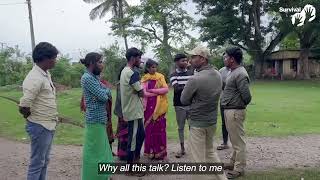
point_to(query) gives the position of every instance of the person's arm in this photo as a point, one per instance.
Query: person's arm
(141, 94)
(135, 83)
(173, 79)
(117, 108)
(188, 92)
(82, 104)
(31, 88)
(107, 85)
(94, 87)
(174, 83)
(109, 110)
(243, 86)
(159, 91)
(162, 90)
(145, 91)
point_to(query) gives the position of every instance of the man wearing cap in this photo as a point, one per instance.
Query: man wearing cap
(202, 93)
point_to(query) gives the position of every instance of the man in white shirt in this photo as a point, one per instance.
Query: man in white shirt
(38, 106)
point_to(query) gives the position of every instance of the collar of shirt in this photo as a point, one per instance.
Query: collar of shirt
(91, 74)
(235, 68)
(179, 71)
(204, 68)
(36, 67)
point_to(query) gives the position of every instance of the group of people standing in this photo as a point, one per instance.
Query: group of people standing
(141, 106)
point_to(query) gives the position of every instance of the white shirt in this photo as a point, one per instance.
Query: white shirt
(39, 94)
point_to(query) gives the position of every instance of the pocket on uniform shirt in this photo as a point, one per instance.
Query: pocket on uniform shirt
(48, 89)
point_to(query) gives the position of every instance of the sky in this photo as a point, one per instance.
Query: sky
(64, 23)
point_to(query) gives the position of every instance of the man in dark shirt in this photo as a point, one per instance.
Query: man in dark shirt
(235, 98)
(178, 80)
(202, 93)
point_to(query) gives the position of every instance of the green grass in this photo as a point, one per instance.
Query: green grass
(278, 109)
(284, 174)
(284, 108)
(12, 126)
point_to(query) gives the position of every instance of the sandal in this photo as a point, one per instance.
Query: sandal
(180, 154)
(222, 147)
(234, 174)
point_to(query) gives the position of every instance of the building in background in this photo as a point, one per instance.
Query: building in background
(285, 64)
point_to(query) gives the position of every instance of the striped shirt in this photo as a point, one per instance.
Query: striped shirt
(178, 80)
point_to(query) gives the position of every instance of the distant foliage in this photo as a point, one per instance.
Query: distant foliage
(114, 59)
(66, 73)
(13, 66)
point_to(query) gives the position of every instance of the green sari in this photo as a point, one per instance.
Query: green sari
(96, 150)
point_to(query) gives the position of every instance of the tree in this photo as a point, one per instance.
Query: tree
(117, 7)
(61, 71)
(316, 48)
(291, 41)
(66, 73)
(239, 23)
(308, 35)
(13, 66)
(76, 71)
(113, 62)
(162, 25)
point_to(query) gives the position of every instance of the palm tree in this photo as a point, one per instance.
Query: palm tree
(116, 6)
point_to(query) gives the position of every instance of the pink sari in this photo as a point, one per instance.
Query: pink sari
(155, 145)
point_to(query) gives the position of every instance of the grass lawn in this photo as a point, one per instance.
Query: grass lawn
(278, 109)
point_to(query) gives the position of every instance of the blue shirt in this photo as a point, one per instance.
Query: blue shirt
(96, 96)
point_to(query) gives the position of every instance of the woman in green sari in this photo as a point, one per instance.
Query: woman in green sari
(96, 147)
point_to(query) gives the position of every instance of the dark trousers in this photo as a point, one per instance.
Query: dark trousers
(136, 136)
(224, 128)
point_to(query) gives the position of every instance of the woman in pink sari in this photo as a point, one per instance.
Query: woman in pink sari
(156, 107)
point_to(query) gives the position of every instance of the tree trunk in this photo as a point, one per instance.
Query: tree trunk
(121, 16)
(257, 69)
(166, 46)
(305, 44)
(125, 41)
(258, 65)
(304, 64)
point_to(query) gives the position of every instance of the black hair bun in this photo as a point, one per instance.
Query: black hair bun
(82, 61)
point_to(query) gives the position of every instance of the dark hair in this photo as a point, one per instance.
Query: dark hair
(149, 64)
(177, 57)
(236, 53)
(43, 51)
(133, 52)
(91, 58)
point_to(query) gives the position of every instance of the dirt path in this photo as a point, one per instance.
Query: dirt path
(263, 154)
